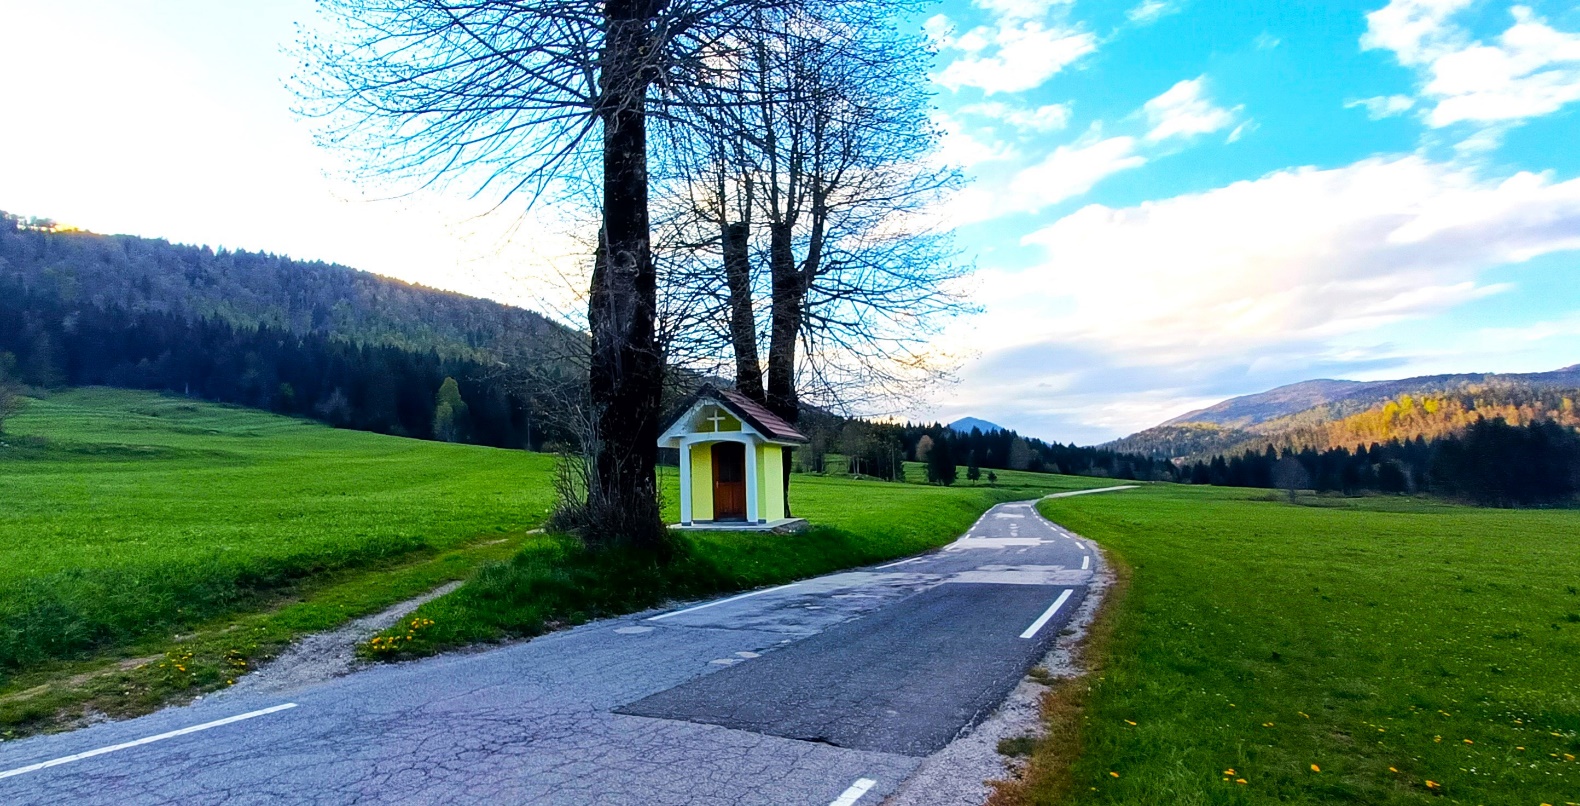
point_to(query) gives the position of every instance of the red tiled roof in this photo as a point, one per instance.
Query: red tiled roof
(753, 413)
(759, 416)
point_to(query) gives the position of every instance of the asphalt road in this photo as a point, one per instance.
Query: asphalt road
(831, 690)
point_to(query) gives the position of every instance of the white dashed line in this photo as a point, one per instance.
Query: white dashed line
(1086, 563)
(723, 601)
(149, 740)
(1047, 614)
(902, 562)
(854, 792)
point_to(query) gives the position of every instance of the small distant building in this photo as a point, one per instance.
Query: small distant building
(731, 461)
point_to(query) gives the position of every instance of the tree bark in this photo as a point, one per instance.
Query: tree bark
(743, 320)
(626, 370)
(788, 292)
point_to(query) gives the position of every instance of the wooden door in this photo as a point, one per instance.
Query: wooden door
(729, 481)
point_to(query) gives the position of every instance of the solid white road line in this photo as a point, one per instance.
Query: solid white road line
(56, 762)
(1089, 492)
(722, 601)
(1046, 614)
(902, 562)
(854, 793)
(1086, 563)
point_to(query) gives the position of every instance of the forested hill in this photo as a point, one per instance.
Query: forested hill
(310, 339)
(1349, 414)
(253, 289)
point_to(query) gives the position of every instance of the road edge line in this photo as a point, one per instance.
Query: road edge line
(56, 762)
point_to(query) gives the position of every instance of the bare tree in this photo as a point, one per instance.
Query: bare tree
(819, 175)
(535, 97)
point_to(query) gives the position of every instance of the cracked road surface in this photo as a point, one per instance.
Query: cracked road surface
(833, 689)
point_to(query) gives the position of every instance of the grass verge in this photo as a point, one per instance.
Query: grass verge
(1048, 774)
(1378, 650)
(155, 671)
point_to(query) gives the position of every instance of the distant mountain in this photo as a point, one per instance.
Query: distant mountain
(252, 289)
(965, 424)
(1330, 413)
(1240, 412)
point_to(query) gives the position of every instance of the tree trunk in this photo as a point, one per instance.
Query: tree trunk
(788, 292)
(626, 370)
(743, 320)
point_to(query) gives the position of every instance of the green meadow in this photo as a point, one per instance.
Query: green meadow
(154, 546)
(124, 514)
(1335, 651)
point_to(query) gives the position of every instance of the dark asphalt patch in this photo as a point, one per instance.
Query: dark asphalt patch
(906, 679)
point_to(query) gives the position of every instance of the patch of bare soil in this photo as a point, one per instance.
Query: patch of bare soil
(327, 655)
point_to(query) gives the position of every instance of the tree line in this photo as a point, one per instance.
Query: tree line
(1490, 463)
(49, 343)
(880, 450)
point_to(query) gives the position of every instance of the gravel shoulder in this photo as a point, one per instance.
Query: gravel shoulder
(327, 655)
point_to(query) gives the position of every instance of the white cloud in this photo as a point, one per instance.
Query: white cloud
(1018, 9)
(1068, 172)
(1148, 11)
(1529, 70)
(1071, 171)
(1417, 31)
(962, 149)
(1014, 57)
(1291, 273)
(1185, 111)
(1025, 44)
(1383, 106)
(1047, 118)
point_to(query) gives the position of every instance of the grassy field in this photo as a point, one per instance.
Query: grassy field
(1341, 651)
(142, 514)
(154, 547)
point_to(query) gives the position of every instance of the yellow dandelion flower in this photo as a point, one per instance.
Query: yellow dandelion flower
(1239, 780)
(1393, 769)
(1114, 774)
(1430, 784)
(1315, 768)
(1131, 724)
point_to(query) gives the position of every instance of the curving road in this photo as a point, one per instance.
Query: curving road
(827, 691)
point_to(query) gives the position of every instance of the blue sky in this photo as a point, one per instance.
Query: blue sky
(1179, 201)
(1171, 201)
